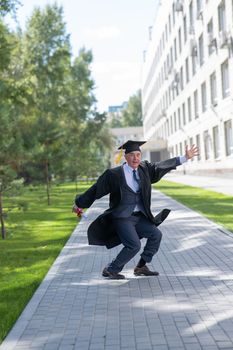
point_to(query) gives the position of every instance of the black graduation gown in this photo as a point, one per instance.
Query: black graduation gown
(101, 230)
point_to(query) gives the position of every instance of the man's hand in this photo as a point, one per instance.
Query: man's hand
(77, 210)
(192, 152)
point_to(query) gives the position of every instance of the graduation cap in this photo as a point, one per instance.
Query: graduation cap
(131, 146)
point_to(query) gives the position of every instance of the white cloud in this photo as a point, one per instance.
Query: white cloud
(102, 33)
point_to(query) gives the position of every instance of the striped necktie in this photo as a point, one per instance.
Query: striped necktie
(135, 178)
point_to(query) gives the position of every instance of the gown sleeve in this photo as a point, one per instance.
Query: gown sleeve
(159, 169)
(101, 188)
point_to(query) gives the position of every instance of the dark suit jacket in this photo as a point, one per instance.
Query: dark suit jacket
(101, 231)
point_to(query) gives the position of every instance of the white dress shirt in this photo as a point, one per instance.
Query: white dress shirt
(128, 171)
(134, 185)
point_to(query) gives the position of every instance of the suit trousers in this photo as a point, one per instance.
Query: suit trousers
(131, 230)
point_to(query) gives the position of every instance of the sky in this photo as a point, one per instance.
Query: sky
(117, 33)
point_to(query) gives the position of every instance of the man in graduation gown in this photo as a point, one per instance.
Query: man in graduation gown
(129, 217)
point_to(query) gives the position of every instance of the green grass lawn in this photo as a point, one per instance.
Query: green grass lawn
(34, 239)
(215, 206)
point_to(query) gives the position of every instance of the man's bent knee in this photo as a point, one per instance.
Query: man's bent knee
(135, 247)
(157, 234)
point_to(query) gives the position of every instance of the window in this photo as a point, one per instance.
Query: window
(165, 70)
(222, 16)
(181, 79)
(180, 40)
(194, 64)
(196, 107)
(207, 140)
(210, 30)
(184, 113)
(216, 141)
(172, 152)
(169, 95)
(168, 64)
(173, 14)
(201, 50)
(198, 144)
(213, 89)
(187, 69)
(164, 131)
(185, 29)
(191, 18)
(225, 79)
(179, 118)
(175, 122)
(175, 49)
(232, 8)
(173, 93)
(167, 128)
(199, 6)
(189, 109)
(181, 148)
(203, 97)
(228, 137)
(175, 83)
(171, 57)
(185, 144)
(171, 124)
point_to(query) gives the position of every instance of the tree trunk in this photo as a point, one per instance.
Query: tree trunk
(3, 230)
(47, 181)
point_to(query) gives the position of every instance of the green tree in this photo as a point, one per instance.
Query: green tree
(97, 143)
(86, 149)
(132, 115)
(116, 120)
(11, 150)
(47, 62)
(7, 6)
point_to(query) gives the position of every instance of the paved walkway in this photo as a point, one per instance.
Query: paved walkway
(213, 183)
(188, 307)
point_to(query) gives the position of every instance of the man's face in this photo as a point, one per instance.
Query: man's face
(133, 159)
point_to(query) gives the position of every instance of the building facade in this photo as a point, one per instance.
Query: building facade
(118, 108)
(187, 90)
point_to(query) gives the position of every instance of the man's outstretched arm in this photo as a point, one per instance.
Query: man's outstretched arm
(158, 170)
(99, 189)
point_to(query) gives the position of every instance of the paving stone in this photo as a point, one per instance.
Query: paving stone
(187, 307)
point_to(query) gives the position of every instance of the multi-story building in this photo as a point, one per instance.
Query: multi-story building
(115, 113)
(118, 108)
(187, 92)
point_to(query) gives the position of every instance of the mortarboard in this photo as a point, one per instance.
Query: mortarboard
(131, 146)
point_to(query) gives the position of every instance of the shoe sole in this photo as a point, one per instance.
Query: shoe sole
(105, 274)
(143, 274)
